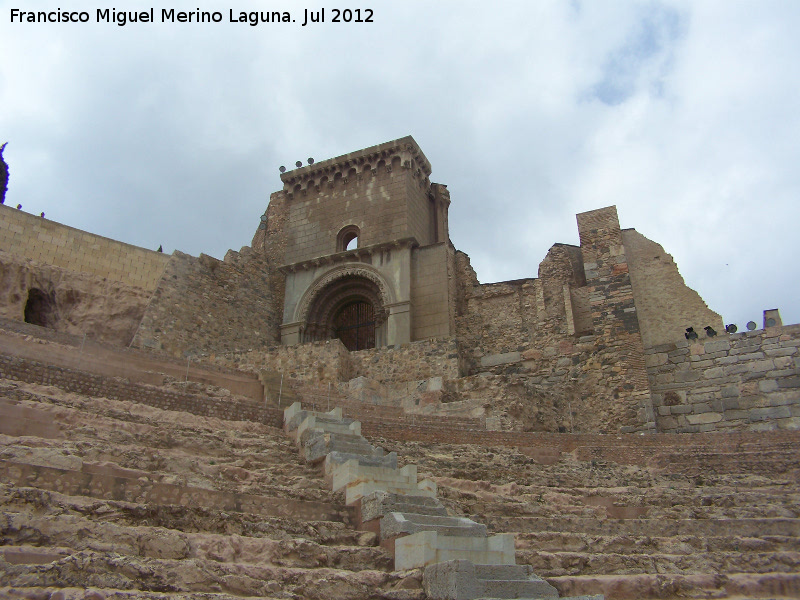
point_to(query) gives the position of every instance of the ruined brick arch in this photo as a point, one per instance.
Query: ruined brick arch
(332, 293)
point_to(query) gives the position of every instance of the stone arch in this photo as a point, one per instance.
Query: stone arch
(336, 291)
(347, 235)
(40, 308)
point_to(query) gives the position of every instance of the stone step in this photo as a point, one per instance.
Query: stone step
(316, 448)
(332, 459)
(647, 527)
(742, 586)
(500, 508)
(376, 505)
(95, 593)
(295, 414)
(429, 547)
(86, 569)
(313, 425)
(463, 580)
(556, 541)
(556, 564)
(187, 519)
(352, 472)
(56, 535)
(111, 483)
(395, 524)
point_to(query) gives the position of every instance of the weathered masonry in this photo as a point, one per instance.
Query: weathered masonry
(351, 283)
(367, 256)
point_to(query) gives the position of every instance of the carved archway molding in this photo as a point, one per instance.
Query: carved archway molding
(387, 295)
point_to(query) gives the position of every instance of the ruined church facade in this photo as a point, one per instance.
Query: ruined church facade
(351, 280)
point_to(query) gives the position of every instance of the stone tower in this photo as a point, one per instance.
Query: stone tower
(368, 258)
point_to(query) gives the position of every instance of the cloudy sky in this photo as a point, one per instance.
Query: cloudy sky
(683, 114)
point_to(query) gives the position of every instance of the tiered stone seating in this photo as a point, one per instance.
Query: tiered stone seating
(137, 502)
(632, 531)
(415, 527)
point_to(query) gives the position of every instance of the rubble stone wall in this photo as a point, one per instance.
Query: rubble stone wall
(410, 362)
(324, 362)
(204, 306)
(51, 243)
(746, 380)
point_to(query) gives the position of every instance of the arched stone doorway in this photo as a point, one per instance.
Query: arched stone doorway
(350, 308)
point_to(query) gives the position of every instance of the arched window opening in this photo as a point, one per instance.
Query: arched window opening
(347, 238)
(354, 325)
(40, 309)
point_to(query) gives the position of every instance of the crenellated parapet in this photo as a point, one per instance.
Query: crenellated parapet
(357, 166)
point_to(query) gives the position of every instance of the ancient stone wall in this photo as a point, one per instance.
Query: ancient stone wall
(47, 242)
(742, 381)
(205, 306)
(665, 305)
(618, 346)
(330, 362)
(410, 362)
(322, 362)
(562, 351)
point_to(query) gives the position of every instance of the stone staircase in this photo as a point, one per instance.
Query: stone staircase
(115, 499)
(461, 560)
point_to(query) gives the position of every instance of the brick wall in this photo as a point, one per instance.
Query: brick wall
(742, 381)
(51, 243)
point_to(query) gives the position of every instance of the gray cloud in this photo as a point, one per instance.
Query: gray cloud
(682, 114)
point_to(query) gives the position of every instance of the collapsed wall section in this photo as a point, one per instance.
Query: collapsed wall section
(665, 305)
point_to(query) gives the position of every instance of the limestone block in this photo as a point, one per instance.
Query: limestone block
(500, 359)
(378, 504)
(327, 425)
(357, 490)
(294, 415)
(462, 580)
(704, 418)
(395, 524)
(428, 547)
(353, 472)
(317, 445)
(370, 457)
